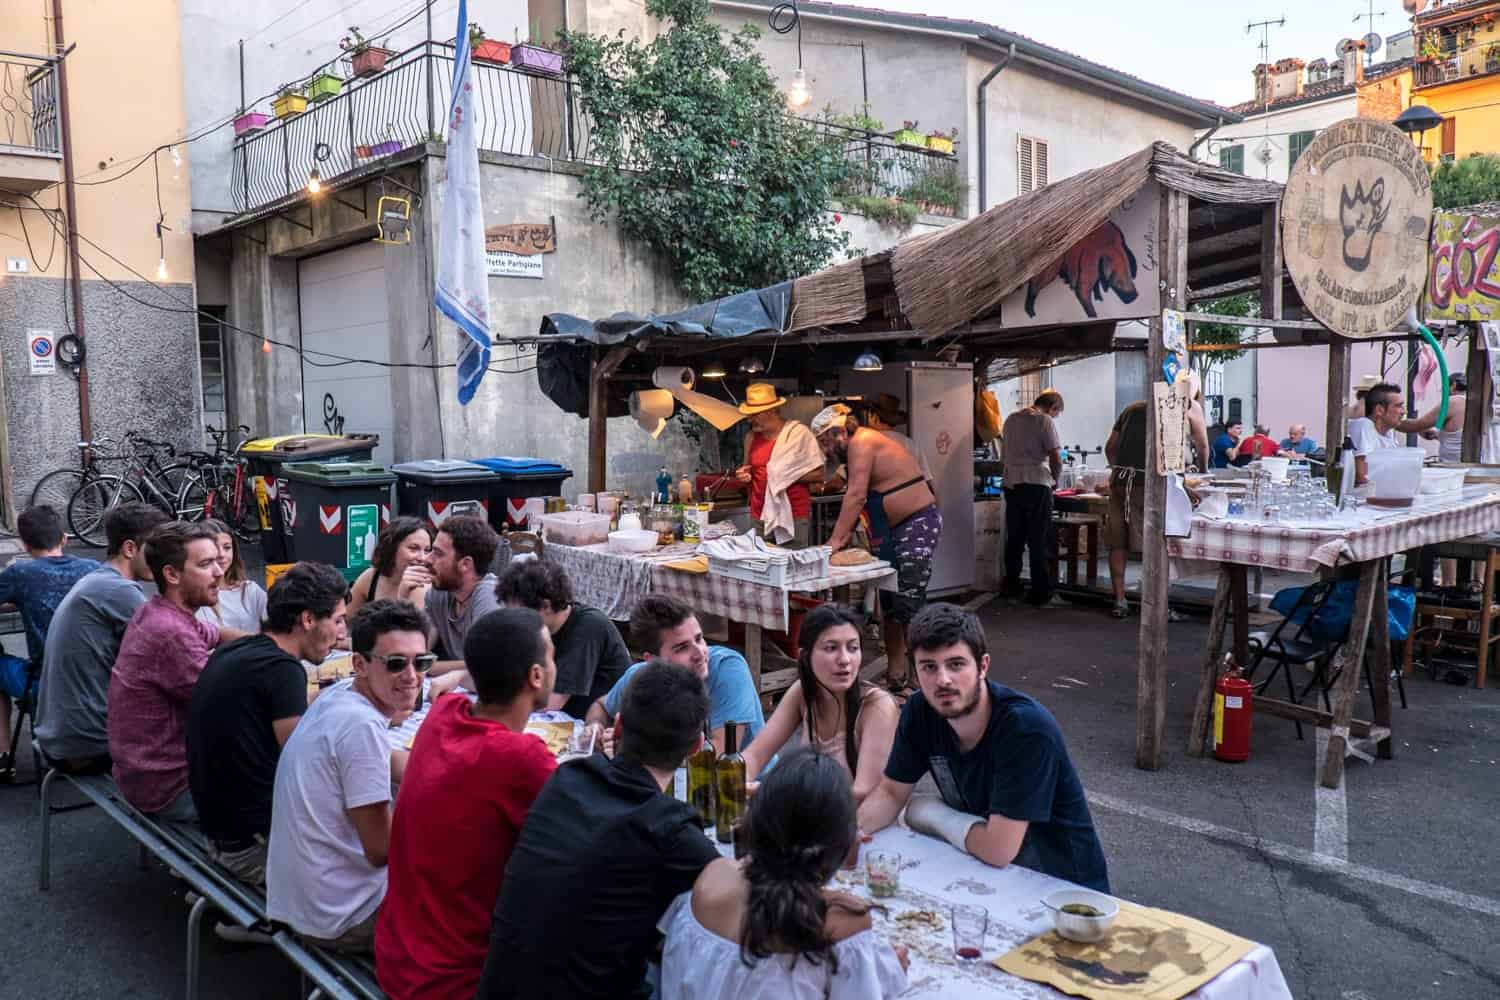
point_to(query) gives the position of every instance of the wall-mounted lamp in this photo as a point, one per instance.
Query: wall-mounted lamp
(868, 362)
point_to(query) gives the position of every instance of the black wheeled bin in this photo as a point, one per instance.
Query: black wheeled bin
(436, 489)
(517, 479)
(336, 511)
(266, 456)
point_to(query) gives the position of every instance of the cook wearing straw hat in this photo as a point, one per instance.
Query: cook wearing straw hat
(781, 458)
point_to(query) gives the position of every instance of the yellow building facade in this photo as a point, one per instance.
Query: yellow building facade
(1457, 74)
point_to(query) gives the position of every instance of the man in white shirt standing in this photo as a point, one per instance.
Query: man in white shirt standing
(331, 809)
(1384, 410)
(1033, 461)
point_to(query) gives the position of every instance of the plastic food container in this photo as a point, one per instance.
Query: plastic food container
(1395, 475)
(633, 540)
(780, 569)
(1276, 467)
(1079, 926)
(1436, 480)
(575, 527)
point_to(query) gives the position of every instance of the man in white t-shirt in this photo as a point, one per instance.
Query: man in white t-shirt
(1033, 461)
(1384, 410)
(331, 809)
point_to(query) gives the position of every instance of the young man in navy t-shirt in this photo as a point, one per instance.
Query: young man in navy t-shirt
(1009, 794)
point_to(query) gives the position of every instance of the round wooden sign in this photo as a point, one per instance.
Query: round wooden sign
(1354, 222)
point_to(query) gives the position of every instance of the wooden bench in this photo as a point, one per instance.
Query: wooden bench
(335, 976)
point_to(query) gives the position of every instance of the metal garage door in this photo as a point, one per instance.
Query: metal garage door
(344, 312)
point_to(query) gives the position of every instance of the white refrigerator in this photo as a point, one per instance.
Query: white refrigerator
(938, 397)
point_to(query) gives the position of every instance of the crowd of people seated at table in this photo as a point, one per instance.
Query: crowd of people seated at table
(468, 862)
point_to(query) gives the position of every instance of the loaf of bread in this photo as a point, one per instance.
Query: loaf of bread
(851, 557)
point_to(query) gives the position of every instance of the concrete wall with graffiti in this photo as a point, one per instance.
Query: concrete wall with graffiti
(1110, 274)
(1463, 278)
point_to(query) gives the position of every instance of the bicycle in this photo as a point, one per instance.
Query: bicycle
(229, 496)
(57, 487)
(146, 479)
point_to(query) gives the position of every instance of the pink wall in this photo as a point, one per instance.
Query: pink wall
(1291, 383)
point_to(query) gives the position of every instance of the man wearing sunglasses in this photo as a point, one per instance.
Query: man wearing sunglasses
(331, 809)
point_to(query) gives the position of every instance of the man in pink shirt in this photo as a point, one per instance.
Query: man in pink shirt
(164, 650)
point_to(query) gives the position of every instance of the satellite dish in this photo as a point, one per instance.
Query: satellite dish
(1372, 43)
(1343, 47)
(1414, 7)
(1264, 152)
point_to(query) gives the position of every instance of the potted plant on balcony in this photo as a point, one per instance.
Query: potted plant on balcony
(533, 55)
(367, 57)
(290, 101)
(487, 50)
(324, 84)
(942, 142)
(250, 122)
(907, 135)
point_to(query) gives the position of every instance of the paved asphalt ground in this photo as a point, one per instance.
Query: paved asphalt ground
(1399, 900)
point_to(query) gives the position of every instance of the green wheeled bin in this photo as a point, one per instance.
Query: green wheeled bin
(335, 511)
(267, 456)
(435, 489)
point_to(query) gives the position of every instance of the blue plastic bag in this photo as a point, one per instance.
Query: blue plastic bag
(1337, 613)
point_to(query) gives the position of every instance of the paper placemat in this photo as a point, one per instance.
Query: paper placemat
(1147, 953)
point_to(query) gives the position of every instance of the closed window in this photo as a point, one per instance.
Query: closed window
(1450, 138)
(1295, 145)
(1031, 164)
(1232, 158)
(211, 362)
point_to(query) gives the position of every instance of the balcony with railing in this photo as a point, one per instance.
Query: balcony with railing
(30, 139)
(520, 112)
(1456, 42)
(887, 175)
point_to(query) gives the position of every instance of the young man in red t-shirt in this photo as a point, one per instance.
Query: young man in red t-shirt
(468, 786)
(1259, 445)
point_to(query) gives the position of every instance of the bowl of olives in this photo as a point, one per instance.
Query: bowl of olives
(1082, 914)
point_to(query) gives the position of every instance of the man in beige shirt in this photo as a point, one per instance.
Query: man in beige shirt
(1033, 460)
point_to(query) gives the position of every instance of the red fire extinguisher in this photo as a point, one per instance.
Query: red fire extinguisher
(1232, 709)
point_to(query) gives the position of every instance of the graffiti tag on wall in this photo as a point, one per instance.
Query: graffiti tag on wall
(1463, 279)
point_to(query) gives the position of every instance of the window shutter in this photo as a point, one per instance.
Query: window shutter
(1040, 159)
(1024, 165)
(1450, 137)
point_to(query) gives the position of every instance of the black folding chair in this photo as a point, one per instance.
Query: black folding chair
(26, 709)
(1299, 648)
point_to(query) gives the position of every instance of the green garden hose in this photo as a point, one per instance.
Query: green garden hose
(1432, 342)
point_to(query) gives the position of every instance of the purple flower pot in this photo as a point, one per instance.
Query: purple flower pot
(250, 122)
(385, 148)
(537, 59)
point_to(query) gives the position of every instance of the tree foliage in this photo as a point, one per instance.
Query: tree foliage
(698, 158)
(1247, 304)
(1474, 180)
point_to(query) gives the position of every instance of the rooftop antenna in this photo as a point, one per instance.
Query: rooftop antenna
(1265, 58)
(1369, 17)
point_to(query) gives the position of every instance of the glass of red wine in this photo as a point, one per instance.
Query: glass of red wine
(969, 926)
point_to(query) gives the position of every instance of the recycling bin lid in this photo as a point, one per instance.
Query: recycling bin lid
(436, 471)
(514, 467)
(296, 447)
(337, 474)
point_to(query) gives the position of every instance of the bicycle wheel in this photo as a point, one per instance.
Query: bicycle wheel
(244, 517)
(94, 499)
(56, 488)
(192, 498)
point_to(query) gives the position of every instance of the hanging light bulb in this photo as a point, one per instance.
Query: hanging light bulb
(798, 95)
(752, 365)
(265, 346)
(161, 268)
(713, 370)
(869, 361)
(314, 181)
(176, 156)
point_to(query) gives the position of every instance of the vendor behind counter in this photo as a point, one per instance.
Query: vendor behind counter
(782, 459)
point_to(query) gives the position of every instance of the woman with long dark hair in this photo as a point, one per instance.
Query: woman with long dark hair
(242, 601)
(766, 926)
(402, 543)
(850, 720)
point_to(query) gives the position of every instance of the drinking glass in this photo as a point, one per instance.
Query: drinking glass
(581, 743)
(883, 873)
(969, 926)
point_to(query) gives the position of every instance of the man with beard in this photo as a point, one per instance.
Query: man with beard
(460, 586)
(1008, 793)
(886, 481)
(161, 656)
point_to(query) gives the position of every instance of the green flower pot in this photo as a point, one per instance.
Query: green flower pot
(324, 86)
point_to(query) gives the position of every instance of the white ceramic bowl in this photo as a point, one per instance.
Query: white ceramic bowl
(635, 540)
(1075, 927)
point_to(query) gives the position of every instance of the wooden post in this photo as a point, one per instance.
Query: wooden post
(1151, 667)
(1380, 658)
(1338, 393)
(1203, 704)
(1270, 262)
(1477, 371)
(604, 366)
(1350, 660)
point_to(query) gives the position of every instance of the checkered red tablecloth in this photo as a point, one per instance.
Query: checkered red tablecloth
(1385, 533)
(614, 582)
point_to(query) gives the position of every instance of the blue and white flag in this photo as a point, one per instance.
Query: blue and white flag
(462, 286)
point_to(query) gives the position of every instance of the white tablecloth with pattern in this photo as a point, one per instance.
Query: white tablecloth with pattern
(935, 876)
(1368, 533)
(614, 582)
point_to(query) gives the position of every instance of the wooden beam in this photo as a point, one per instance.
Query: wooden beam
(1338, 394)
(1220, 291)
(1234, 239)
(1270, 262)
(603, 368)
(1350, 660)
(1477, 371)
(1203, 703)
(1151, 666)
(1268, 323)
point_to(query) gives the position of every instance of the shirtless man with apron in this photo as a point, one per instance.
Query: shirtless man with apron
(885, 481)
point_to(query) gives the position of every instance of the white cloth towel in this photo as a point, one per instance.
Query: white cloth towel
(794, 455)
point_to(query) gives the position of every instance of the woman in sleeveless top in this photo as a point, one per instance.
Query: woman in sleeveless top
(402, 543)
(841, 716)
(766, 926)
(242, 601)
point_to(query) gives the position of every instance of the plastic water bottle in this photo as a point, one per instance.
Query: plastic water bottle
(663, 486)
